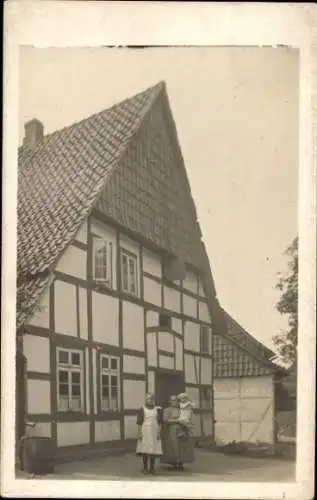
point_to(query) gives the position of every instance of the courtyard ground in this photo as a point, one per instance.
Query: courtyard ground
(208, 466)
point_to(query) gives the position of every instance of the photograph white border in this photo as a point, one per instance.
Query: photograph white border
(95, 24)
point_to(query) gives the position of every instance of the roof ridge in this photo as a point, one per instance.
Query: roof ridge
(156, 89)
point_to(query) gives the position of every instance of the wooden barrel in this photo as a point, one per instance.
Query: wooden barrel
(38, 455)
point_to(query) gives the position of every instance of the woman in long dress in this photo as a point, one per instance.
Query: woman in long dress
(149, 445)
(170, 431)
(185, 430)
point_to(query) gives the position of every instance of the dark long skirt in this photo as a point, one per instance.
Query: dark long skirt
(176, 449)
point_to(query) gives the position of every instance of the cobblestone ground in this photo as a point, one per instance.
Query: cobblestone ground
(207, 467)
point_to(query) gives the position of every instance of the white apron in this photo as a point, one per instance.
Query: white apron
(149, 443)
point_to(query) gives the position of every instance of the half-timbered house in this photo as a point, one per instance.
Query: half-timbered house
(115, 296)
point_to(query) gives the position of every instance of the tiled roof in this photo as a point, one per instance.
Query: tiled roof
(237, 354)
(59, 181)
(89, 165)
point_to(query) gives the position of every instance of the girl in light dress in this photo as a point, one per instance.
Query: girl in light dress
(186, 414)
(149, 445)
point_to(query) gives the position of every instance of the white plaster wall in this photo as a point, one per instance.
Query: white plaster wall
(87, 391)
(192, 336)
(166, 362)
(178, 354)
(152, 291)
(206, 370)
(152, 318)
(107, 431)
(227, 410)
(72, 433)
(172, 299)
(105, 318)
(190, 373)
(177, 325)
(151, 348)
(110, 234)
(37, 352)
(42, 429)
(190, 282)
(41, 316)
(226, 387)
(65, 308)
(207, 424)
(151, 381)
(133, 364)
(133, 394)
(166, 341)
(133, 326)
(39, 396)
(73, 262)
(245, 406)
(81, 235)
(189, 306)
(130, 427)
(257, 387)
(152, 263)
(83, 319)
(193, 394)
(204, 313)
(227, 432)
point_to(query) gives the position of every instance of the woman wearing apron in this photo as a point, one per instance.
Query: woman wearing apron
(149, 445)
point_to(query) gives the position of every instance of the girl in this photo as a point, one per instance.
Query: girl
(185, 419)
(149, 445)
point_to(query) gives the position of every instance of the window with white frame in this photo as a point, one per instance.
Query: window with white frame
(70, 395)
(204, 339)
(206, 398)
(129, 272)
(109, 382)
(102, 261)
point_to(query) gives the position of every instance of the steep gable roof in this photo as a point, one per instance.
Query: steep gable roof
(81, 167)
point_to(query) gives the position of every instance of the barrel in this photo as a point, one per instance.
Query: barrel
(38, 455)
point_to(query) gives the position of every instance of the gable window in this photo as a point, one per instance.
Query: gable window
(69, 380)
(129, 272)
(109, 383)
(102, 261)
(165, 321)
(206, 398)
(204, 339)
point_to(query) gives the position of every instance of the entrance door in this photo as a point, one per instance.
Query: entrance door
(167, 385)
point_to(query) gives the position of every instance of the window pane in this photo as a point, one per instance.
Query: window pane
(105, 362)
(75, 390)
(63, 376)
(75, 358)
(105, 380)
(63, 389)
(75, 377)
(63, 357)
(100, 259)
(114, 363)
(114, 381)
(105, 391)
(132, 275)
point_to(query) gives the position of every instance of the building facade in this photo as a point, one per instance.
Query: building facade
(115, 294)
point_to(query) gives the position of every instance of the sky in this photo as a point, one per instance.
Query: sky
(236, 113)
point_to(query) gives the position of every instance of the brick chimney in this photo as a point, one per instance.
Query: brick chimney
(34, 131)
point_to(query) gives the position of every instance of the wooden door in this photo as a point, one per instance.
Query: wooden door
(167, 385)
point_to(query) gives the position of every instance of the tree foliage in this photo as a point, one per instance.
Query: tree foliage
(286, 342)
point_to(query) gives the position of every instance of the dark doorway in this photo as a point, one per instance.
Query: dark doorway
(20, 395)
(168, 384)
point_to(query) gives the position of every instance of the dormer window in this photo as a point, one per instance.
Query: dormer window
(102, 261)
